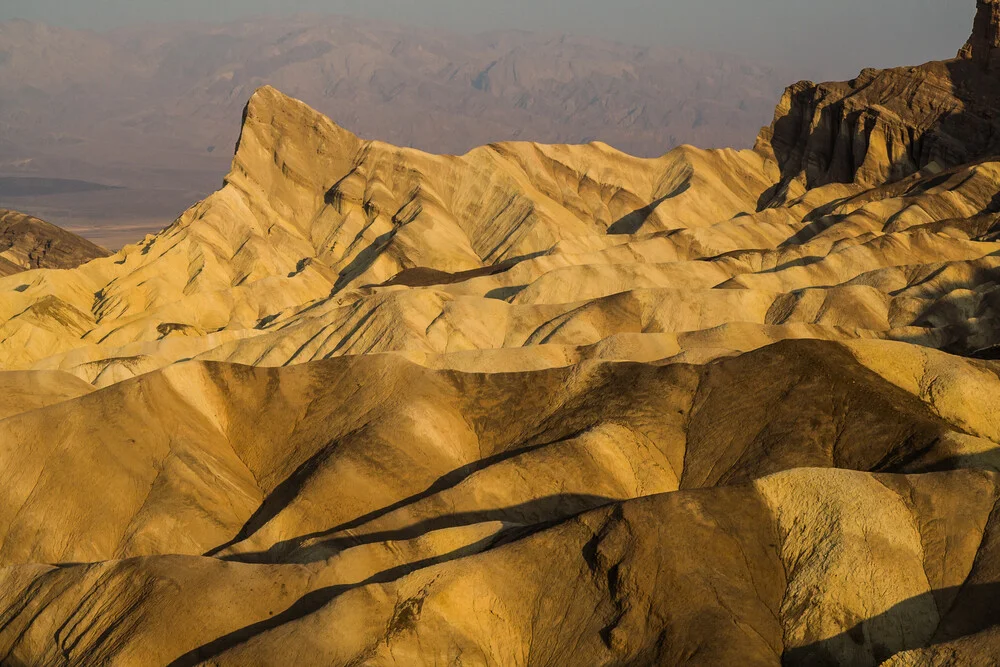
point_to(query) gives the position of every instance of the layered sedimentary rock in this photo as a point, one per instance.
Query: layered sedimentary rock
(535, 405)
(885, 125)
(29, 243)
(151, 108)
(322, 244)
(985, 40)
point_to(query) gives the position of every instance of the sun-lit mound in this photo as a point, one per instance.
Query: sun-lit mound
(225, 513)
(321, 245)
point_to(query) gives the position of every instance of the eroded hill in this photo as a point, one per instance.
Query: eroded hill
(151, 108)
(29, 243)
(535, 405)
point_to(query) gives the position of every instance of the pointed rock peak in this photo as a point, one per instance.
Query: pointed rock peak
(269, 107)
(984, 44)
(285, 143)
(268, 97)
(267, 104)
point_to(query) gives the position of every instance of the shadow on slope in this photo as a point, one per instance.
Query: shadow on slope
(285, 492)
(884, 126)
(634, 221)
(315, 600)
(544, 511)
(970, 610)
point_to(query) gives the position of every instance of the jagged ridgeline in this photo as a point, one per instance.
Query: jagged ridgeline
(535, 405)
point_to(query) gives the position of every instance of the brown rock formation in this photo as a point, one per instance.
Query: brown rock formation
(29, 243)
(532, 406)
(984, 43)
(885, 125)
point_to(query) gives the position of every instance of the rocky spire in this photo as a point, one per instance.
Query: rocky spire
(984, 44)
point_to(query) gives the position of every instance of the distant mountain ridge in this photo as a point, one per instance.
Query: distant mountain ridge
(150, 108)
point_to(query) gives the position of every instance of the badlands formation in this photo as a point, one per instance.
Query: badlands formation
(534, 405)
(29, 243)
(152, 109)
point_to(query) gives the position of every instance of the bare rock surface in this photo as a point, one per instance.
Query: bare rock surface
(29, 243)
(985, 39)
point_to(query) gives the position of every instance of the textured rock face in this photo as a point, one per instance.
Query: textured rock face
(151, 108)
(885, 125)
(984, 43)
(29, 243)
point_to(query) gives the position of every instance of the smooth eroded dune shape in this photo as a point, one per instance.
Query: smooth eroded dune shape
(533, 405)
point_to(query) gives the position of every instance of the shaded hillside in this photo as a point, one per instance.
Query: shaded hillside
(29, 243)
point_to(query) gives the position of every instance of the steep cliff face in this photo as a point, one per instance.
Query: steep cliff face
(984, 43)
(885, 125)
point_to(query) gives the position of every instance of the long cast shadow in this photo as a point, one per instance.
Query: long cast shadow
(535, 512)
(974, 608)
(634, 221)
(315, 600)
(285, 492)
(278, 499)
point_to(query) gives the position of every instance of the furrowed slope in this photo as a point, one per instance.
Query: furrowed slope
(321, 244)
(372, 493)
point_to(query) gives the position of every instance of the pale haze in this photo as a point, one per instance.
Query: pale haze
(830, 38)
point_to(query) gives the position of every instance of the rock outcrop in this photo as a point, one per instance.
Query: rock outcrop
(886, 125)
(983, 46)
(29, 243)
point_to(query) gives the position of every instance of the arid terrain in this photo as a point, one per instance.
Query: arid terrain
(29, 243)
(534, 405)
(152, 110)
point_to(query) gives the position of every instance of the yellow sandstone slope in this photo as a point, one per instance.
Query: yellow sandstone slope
(321, 244)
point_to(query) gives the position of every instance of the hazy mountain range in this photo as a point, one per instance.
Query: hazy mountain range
(150, 109)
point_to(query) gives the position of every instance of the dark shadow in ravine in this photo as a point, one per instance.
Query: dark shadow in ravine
(285, 492)
(633, 222)
(967, 610)
(278, 499)
(313, 601)
(536, 512)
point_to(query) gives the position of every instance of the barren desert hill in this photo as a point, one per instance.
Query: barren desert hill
(532, 405)
(29, 243)
(310, 248)
(151, 108)
(330, 498)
